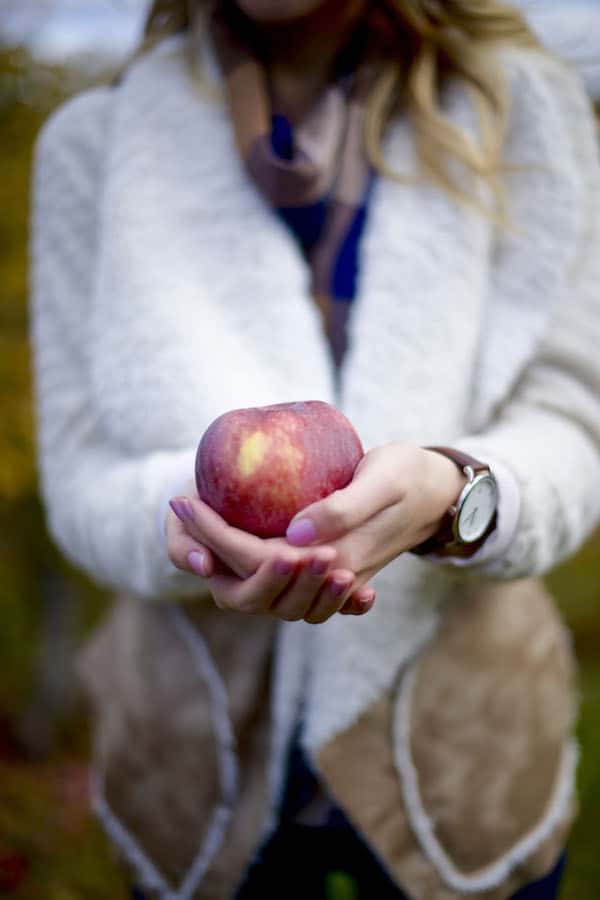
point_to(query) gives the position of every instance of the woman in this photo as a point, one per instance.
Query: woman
(392, 206)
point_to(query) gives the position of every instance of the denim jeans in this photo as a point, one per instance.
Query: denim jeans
(332, 863)
(302, 862)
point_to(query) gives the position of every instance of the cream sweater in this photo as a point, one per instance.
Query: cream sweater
(164, 292)
(147, 244)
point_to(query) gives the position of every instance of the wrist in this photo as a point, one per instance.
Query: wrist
(446, 481)
(470, 517)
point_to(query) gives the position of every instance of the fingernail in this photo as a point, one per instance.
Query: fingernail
(366, 601)
(318, 566)
(301, 532)
(283, 567)
(182, 509)
(197, 562)
(337, 588)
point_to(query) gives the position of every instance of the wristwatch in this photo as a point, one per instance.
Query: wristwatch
(472, 518)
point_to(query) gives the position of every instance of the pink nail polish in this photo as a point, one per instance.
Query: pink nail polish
(177, 507)
(188, 510)
(318, 567)
(283, 567)
(337, 588)
(197, 561)
(182, 509)
(366, 601)
(301, 533)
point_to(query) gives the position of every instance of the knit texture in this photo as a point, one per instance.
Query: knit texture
(164, 292)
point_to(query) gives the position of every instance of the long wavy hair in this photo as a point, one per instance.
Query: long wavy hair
(425, 44)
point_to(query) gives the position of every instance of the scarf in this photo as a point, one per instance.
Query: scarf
(313, 172)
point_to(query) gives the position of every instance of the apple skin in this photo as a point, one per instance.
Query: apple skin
(258, 467)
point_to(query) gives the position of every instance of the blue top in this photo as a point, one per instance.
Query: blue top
(307, 222)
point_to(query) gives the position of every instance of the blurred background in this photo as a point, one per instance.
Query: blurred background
(50, 845)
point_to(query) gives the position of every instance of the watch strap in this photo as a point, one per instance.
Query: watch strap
(461, 459)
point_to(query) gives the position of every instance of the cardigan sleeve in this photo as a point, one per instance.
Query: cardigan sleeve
(101, 504)
(547, 430)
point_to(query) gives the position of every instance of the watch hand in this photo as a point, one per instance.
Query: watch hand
(472, 516)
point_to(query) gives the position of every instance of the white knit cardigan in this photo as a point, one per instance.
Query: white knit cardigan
(165, 292)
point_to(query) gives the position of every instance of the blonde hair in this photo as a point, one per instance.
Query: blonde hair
(428, 43)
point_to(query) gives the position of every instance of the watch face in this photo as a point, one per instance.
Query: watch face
(477, 509)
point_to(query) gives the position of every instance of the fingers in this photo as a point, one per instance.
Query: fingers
(290, 584)
(185, 552)
(243, 553)
(292, 589)
(332, 597)
(254, 594)
(359, 602)
(294, 603)
(346, 509)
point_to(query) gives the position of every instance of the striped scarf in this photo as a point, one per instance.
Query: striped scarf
(314, 173)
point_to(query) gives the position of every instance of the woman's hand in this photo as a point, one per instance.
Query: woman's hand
(395, 501)
(248, 574)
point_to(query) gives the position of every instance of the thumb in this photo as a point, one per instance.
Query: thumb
(345, 509)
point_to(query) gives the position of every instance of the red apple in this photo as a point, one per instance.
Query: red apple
(258, 467)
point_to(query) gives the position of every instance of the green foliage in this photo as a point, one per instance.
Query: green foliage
(45, 822)
(44, 819)
(18, 123)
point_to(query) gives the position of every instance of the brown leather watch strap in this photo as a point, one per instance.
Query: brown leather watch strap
(461, 459)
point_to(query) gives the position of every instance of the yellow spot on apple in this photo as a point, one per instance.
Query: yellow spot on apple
(252, 452)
